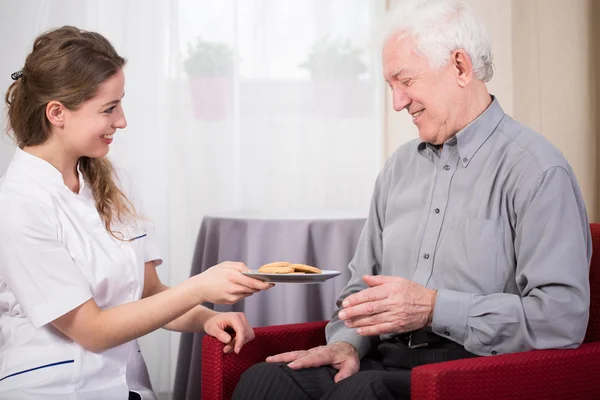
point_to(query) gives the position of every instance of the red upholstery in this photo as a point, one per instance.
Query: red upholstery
(539, 374)
(221, 372)
(593, 329)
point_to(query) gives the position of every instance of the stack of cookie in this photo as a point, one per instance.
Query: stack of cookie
(283, 267)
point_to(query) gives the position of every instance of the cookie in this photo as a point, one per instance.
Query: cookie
(305, 268)
(280, 267)
(276, 270)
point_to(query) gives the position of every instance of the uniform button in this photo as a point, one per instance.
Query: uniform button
(447, 167)
(494, 352)
(437, 211)
(465, 160)
(447, 333)
(426, 256)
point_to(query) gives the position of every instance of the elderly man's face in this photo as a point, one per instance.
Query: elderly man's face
(431, 97)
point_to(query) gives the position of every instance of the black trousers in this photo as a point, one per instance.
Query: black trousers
(384, 374)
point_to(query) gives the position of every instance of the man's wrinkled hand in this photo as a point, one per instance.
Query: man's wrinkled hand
(340, 355)
(390, 305)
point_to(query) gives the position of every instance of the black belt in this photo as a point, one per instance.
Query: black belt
(420, 338)
(411, 349)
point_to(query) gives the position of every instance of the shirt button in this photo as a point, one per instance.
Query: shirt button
(437, 211)
(465, 160)
(426, 256)
(447, 333)
(494, 352)
(447, 167)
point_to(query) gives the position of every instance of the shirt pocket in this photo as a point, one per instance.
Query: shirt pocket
(474, 257)
(482, 233)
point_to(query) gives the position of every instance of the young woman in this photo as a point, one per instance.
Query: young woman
(78, 283)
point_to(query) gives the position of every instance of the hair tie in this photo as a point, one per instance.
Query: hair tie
(16, 75)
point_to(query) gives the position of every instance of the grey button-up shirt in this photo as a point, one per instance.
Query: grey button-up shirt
(494, 221)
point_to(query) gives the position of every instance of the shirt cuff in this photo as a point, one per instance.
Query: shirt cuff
(450, 314)
(344, 334)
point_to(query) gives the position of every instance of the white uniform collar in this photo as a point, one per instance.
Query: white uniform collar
(43, 172)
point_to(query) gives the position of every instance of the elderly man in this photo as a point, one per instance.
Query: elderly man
(477, 241)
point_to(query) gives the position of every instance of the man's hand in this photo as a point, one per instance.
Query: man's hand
(340, 355)
(390, 305)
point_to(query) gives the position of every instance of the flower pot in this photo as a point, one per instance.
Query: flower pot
(212, 96)
(339, 98)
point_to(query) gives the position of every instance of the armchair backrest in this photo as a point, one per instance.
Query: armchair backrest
(593, 329)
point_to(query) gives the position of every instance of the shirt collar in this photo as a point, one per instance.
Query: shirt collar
(470, 138)
(430, 150)
(42, 171)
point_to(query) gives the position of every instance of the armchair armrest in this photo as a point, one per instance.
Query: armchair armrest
(221, 372)
(538, 374)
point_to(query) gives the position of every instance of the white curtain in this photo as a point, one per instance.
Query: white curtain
(260, 105)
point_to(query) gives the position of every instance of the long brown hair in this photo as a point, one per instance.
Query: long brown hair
(68, 65)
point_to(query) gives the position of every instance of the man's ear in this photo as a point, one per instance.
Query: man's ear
(55, 112)
(462, 66)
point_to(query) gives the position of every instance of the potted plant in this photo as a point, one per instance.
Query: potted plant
(335, 66)
(210, 67)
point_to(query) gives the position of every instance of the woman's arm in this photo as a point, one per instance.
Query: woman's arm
(230, 328)
(191, 321)
(98, 330)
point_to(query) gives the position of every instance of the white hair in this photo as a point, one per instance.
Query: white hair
(440, 27)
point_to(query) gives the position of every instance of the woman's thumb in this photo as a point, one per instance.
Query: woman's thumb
(223, 336)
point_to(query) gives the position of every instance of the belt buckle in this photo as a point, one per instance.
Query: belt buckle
(414, 346)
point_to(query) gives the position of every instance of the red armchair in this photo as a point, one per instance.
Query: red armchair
(538, 374)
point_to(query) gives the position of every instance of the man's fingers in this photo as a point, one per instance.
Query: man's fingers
(370, 320)
(287, 357)
(314, 358)
(377, 280)
(379, 329)
(371, 294)
(364, 309)
(344, 372)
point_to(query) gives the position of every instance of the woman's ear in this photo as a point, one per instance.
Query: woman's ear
(55, 112)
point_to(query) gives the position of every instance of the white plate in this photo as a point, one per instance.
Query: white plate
(294, 278)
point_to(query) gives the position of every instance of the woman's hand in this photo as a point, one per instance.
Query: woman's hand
(225, 284)
(219, 325)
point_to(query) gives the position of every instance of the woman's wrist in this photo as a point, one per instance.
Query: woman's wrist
(193, 287)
